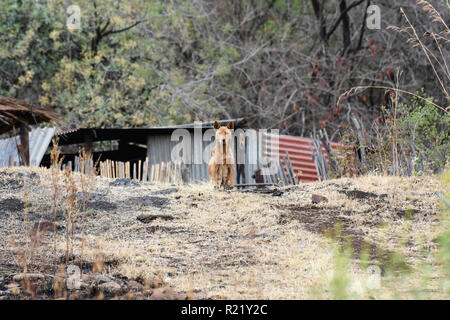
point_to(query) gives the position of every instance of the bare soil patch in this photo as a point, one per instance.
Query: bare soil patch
(361, 195)
(147, 218)
(151, 201)
(330, 222)
(12, 205)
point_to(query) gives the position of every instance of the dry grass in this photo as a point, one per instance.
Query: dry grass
(230, 244)
(14, 112)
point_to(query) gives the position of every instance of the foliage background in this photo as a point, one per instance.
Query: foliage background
(280, 63)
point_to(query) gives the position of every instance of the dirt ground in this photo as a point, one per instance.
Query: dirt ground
(147, 241)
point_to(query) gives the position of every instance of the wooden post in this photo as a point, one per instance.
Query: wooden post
(139, 170)
(156, 176)
(168, 169)
(174, 174)
(152, 173)
(161, 173)
(145, 175)
(25, 144)
(88, 145)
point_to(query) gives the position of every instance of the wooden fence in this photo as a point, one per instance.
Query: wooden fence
(164, 172)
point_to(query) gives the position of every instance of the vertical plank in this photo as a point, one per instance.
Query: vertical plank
(252, 158)
(145, 174)
(152, 173)
(161, 173)
(139, 170)
(168, 171)
(156, 176)
(174, 173)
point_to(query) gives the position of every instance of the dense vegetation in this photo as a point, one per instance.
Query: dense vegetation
(280, 63)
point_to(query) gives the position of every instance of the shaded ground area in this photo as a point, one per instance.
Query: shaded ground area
(11, 205)
(158, 202)
(358, 194)
(329, 222)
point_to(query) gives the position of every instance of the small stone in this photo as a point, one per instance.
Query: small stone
(13, 288)
(124, 183)
(111, 288)
(147, 292)
(134, 285)
(164, 294)
(100, 278)
(317, 198)
(146, 218)
(277, 193)
(86, 277)
(28, 276)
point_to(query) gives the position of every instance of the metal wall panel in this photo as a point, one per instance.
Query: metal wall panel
(160, 148)
(39, 141)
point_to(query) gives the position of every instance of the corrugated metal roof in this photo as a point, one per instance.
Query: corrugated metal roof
(238, 122)
(138, 135)
(39, 140)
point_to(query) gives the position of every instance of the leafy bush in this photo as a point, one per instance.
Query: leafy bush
(423, 130)
(411, 138)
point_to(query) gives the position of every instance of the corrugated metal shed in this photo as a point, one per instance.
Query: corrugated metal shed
(160, 147)
(39, 141)
(301, 156)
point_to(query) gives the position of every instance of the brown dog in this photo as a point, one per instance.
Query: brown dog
(221, 165)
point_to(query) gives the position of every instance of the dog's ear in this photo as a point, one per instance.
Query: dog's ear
(230, 125)
(216, 125)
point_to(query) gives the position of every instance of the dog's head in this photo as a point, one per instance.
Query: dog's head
(224, 134)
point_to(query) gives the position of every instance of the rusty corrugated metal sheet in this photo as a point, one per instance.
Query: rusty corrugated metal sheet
(39, 140)
(300, 155)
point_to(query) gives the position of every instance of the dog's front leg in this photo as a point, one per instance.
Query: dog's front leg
(230, 176)
(219, 176)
